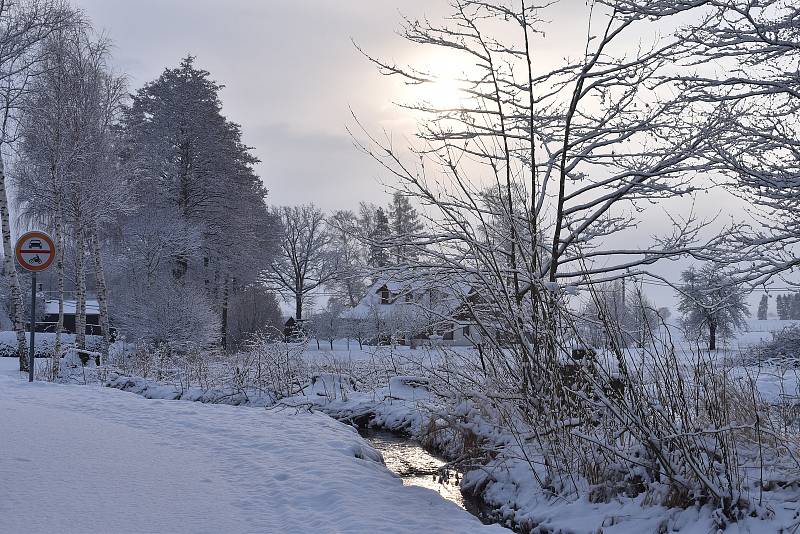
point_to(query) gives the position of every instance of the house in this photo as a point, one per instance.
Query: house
(414, 313)
(50, 320)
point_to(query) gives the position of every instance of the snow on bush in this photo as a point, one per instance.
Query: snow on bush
(782, 350)
(45, 341)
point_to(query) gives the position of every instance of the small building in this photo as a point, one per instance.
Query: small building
(414, 313)
(50, 320)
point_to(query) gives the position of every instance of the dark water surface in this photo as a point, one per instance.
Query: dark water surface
(418, 467)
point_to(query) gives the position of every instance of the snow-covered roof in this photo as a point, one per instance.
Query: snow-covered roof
(51, 307)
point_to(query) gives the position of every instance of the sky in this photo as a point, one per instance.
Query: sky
(293, 77)
(291, 73)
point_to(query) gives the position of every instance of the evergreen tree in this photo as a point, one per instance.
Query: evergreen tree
(378, 240)
(405, 225)
(794, 308)
(783, 308)
(189, 165)
(763, 306)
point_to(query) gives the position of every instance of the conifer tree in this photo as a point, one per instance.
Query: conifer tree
(763, 306)
(405, 226)
(378, 238)
(190, 165)
(783, 308)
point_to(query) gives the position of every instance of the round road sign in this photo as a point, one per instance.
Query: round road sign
(35, 251)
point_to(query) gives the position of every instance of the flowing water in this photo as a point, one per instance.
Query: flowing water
(418, 467)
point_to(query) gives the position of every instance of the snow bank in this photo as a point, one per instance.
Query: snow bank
(152, 466)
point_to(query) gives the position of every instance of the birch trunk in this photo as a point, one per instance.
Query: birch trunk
(60, 277)
(80, 290)
(102, 294)
(17, 307)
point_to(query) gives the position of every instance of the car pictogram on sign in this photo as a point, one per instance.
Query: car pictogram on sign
(35, 251)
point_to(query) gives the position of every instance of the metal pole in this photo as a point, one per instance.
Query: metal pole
(33, 327)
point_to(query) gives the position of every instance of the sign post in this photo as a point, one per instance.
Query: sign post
(35, 251)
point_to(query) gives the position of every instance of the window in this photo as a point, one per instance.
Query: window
(386, 295)
(409, 297)
(448, 334)
(466, 330)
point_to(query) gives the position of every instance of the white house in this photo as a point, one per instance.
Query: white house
(414, 313)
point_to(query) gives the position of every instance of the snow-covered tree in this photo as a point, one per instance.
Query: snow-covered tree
(24, 25)
(189, 164)
(327, 324)
(378, 237)
(349, 283)
(68, 178)
(763, 307)
(304, 262)
(406, 228)
(711, 303)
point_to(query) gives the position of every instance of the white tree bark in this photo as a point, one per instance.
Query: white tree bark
(102, 293)
(80, 289)
(8, 258)
(60, 276)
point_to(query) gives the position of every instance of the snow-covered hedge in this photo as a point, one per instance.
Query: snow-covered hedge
(783, 349)
(45, 341)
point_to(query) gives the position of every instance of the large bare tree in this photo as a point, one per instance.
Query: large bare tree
(305, 262)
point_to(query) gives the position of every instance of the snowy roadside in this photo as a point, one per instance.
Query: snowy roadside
(100, 460)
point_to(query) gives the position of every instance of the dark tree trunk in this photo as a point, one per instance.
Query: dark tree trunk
(298, 308)
(224, 319)
(712, 336)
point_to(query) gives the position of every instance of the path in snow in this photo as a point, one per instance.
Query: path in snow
(90, 459)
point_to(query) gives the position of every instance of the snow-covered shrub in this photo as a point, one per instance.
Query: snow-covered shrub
(172, 316)
(783, 349)
(45, 343)
(267, 365)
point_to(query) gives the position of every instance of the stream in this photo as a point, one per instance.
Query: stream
(418, 467)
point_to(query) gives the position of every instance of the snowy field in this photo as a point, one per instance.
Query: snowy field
(90, 459)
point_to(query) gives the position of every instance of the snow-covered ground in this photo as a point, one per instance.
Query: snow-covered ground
(91, 459)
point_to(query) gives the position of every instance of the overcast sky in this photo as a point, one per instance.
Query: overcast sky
(291, 74)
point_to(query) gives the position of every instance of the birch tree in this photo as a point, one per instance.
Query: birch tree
(67, 123)
(23, 27)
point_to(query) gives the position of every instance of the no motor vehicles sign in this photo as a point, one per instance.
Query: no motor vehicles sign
(35, 251)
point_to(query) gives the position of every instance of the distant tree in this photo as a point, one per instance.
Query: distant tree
(254, 310)
(405, 228)
(711, 305)
(378, 239)
(763, 306)
(348, 284)
(328, 324)
(794, 307)
(782, 305)
(304, 262)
